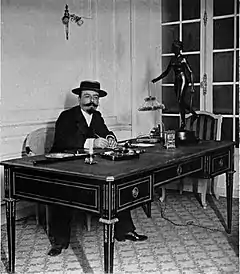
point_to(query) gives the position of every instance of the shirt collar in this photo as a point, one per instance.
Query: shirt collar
(87, 116)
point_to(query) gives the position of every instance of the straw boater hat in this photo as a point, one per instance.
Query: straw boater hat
(90, 85)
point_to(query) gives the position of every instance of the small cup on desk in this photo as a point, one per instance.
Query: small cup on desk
(91, 142)
(90, 160)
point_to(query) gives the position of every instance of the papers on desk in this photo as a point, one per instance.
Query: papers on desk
(58, 155)
(143, 145)
(62, 155)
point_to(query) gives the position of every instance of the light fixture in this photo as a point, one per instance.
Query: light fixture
(152, 104)
(73, 17)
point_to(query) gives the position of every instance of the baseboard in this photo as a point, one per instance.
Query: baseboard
(222, 192)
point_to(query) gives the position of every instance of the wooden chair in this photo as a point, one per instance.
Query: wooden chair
(39, 142)
(206, 127)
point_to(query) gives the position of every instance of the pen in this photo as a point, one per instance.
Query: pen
(96, 135)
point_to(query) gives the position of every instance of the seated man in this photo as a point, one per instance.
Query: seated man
(76, 128)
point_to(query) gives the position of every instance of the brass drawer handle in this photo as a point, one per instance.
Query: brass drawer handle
(221, 163)
(135, 192)
(179, 170)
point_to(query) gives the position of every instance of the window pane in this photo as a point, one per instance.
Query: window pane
(170, 10)
(237, 66)
(237, 32)
(222, 7)
(223, 33)
(195, 99)
(191, 36)
(237, 99)
(169, 34)
(171, 123)
(170, 77)
(191, 9)
(227, 129)
(223, 99)
(237, 131)
(169, 100)
(223, 67)
(194, 62)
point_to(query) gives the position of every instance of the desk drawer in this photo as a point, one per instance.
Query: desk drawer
(134, 192)
(43, 189)
(220, 163)
(177, 171)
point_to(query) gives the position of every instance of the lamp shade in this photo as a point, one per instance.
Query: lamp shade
(151, 104)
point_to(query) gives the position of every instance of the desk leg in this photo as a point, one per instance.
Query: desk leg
(10, 214)
(229, 185)
(108, 238)
(147, 209)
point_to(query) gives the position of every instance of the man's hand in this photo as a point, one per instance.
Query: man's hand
(154, 81)
(100, 142)
(111, 142)
(192, 89)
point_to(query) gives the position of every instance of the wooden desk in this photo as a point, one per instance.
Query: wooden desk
(109, 187)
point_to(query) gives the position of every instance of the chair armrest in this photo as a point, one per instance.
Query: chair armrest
(29, 152)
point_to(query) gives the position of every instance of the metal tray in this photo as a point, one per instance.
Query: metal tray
(119, 156)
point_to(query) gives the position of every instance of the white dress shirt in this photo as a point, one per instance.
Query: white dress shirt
(89, 142)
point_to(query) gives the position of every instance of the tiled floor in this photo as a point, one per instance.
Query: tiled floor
(172, 247)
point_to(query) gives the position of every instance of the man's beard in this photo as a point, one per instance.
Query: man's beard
(92, 108)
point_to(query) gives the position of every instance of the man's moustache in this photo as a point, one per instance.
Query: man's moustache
(91, 104)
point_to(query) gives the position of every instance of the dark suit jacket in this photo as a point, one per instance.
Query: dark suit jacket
(71, 132)
(71, 129)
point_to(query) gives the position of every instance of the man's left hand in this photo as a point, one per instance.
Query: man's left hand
(192, 89)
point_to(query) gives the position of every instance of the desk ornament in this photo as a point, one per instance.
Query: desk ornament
(179, 64)
(90, 159)
(169, 139)
(186, 137)
(183, 77)
(121, 153)
(157, 133)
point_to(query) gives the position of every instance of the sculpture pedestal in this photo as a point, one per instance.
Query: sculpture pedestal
(185, 137)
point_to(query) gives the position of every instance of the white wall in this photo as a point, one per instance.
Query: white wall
(118, 45)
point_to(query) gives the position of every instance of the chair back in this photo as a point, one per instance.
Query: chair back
(40, 141)
(206, 127)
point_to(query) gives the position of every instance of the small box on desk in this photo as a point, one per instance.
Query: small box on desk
(169, 139)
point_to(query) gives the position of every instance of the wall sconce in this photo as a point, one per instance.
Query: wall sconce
(73, 17)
